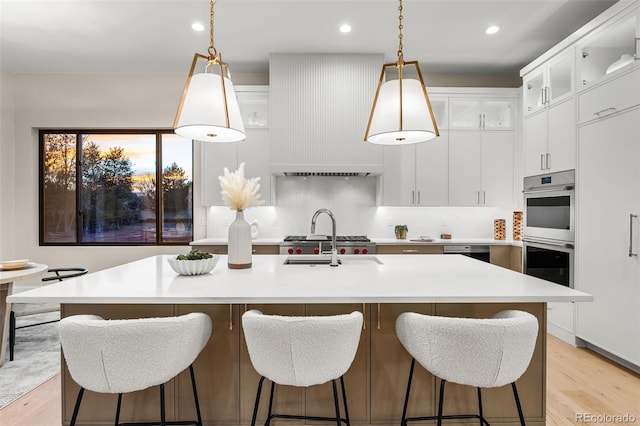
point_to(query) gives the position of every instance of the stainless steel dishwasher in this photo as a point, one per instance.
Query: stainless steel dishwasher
(476, 251)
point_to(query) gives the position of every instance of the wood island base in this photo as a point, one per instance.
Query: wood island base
(375, 383)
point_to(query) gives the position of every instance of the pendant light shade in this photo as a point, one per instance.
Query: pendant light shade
(209, 108)
(401, 113)
(205, 109)
(417, 123)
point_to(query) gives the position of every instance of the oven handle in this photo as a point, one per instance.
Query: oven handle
(547, 242)
(550, 189)
(631, 216)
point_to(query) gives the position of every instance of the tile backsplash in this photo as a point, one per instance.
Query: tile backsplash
(353, 202)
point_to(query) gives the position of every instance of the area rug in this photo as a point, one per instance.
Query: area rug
(36, 357)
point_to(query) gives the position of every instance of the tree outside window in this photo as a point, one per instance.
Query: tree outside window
(109, 194)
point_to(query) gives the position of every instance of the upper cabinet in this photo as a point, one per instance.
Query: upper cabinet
(610, 48)
(550, 83)
(470, 164)
(254, 151)
(480, 114)
(320, 105)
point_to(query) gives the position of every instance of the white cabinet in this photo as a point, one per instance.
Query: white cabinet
(549, 83)
(480, 113)
(480, 168)
(550, 139)
(560, 321)
(253, 151)
(607, 237)
(320, 105)
(417, 175)
(611, 47)
(614, 95)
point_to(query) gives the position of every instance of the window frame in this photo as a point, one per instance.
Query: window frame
(78, 193)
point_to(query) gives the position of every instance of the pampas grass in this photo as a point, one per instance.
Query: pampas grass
(238, 192)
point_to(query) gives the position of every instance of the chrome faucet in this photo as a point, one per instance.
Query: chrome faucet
(334, 250)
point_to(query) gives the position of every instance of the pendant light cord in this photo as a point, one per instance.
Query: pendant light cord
(212, 49)
(400, 26)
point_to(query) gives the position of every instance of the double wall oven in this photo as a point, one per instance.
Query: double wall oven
(549, 228)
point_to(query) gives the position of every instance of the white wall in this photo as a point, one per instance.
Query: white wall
(7, 166)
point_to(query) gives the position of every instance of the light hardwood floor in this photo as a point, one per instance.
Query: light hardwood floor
(579, 383)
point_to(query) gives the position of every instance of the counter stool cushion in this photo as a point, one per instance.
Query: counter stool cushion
(302, 351)
(121, 356)
(483, 353)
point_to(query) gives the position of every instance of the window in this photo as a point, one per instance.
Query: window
(115, 188)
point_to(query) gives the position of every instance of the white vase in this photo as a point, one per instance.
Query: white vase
(239, 249)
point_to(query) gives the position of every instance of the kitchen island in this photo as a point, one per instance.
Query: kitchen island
(381, 286)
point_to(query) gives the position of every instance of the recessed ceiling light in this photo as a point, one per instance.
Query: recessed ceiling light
(492, 29)
(197, 26)
(345, 28)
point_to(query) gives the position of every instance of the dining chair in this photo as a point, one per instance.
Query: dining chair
(26, 309)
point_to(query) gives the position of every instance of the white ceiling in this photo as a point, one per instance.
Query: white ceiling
(446, 36)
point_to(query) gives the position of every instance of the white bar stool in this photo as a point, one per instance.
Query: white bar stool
(483, 353)
(121, 356)
(302, 351)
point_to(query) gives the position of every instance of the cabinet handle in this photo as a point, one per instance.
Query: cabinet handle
(378, 316)
(230, 317)
(631, 253)
(484, 197)
(541, 161)
(548, 97)
(484, 121)
(547, 157)
(409, 251)
(364, 317)
(612, 109)
(478, 197)
(413, 197)
(479, 121)
(418, 197)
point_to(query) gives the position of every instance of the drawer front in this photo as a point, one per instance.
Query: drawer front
(408, 249)
(561, 314)
(611, 97)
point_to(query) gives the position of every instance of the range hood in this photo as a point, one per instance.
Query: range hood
(331, 174)
(318, 170)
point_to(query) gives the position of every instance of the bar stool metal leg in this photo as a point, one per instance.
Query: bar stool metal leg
(74, 417)
(441, 401)
(344, 400)
(335, 402)
(403, 422)
(269, 415)
(257, 403)
(515, 395)
(117, 422)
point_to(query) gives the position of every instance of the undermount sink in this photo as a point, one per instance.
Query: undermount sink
(309, 260)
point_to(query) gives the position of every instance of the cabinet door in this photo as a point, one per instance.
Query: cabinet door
(560, 76)
(465, 113)
(608, 181)
(398, 181)
(216, 368)
(432, 171)
(497, 114)
(390, 364)
(465, 164)
(562, 136)
(215, 157)
(535, 143)
(497, 168)
(532, 96)
(255, 152)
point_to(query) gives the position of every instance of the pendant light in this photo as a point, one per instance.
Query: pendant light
(209, 109)
(401, 113)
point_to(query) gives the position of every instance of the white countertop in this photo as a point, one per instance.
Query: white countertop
(360, 279)
(377, 240)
